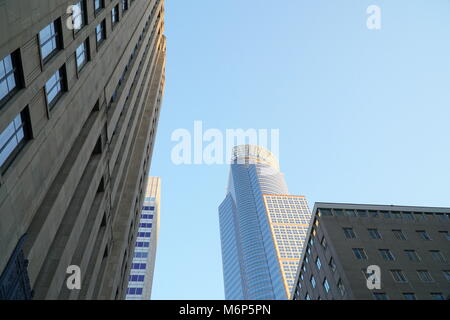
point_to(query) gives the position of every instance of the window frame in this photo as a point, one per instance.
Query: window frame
(61, 82)
(16, 70)
(87, 57)
(27, 135)
(58, 41)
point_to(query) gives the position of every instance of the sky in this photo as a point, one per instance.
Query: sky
(363, 114)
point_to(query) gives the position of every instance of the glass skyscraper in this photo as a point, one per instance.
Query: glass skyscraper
(141, 276)
(262, 228)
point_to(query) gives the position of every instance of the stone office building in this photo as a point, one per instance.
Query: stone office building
(81, 84)
(410, 245)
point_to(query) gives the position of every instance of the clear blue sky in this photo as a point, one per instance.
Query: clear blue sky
(363, 115)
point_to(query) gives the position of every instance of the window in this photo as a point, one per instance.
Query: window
(437, 255)
(387, 254)
(409, 296)
(313, 282)
(408, 215)
(380, 296)
(49, 40)
(437, 296)
(8, 77)
(324, 243)
(349, 233)
(341, 287)
(326, 285)
(325, 212)
(446, 274)
(54, 88)
(115, 15)
(399, 235)
(124, 5)
(79, 15)
(332, 264)
(98, 5)
(424, 275)
(374, 233)
(307, 297)
(412, 255)
(13, 138)
(318, 264)
(398, 276)
(359, 253)
(100, 33)
(445, 234)
(81, 55)
(423, 235)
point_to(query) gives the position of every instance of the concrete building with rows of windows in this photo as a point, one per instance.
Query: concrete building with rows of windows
(81, 85)
(410, 245)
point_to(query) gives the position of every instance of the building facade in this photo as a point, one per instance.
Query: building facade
(140, 280)
(262, 228)
(81, 84)
(410, 246)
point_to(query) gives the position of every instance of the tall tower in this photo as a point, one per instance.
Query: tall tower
(141, 277)
(79, 110)
(262, 228)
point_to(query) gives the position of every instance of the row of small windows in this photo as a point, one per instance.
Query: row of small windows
(408, 296)
(418, 216)
(15, 135)
(387, 255)
(398, 233)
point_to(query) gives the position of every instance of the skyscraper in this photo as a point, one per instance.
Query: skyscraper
(80, 97)
(141, 277)
(262, 228)
(409, 245)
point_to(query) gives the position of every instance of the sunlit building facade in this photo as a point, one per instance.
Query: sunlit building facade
(262, 228)
(141, 276)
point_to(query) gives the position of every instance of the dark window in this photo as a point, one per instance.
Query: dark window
(380, 296)
(424, 275)
(124, 5)
(115, 15)
(446, 274)
(82, 55)
(437, 296)
(399, 234)
(100, 33)
(387, 254)
(398, 276)
(412, 255)
(374, 233)
(445, 234)
(359, 253)
(349, 233)
(9, 76)
(98, 5)
(409, 296)
(49, 40)
(437, 256)
(423, 235)
(332, 264)
(13, 138)
(54, 87)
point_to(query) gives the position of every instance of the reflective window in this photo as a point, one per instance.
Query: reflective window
(81, 56)
(78, 15)
(100, 33)
(48, 40)
(7, 77)
(12, 138)
(54, 87)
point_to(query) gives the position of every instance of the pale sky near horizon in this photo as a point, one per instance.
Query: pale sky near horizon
(363, 115)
